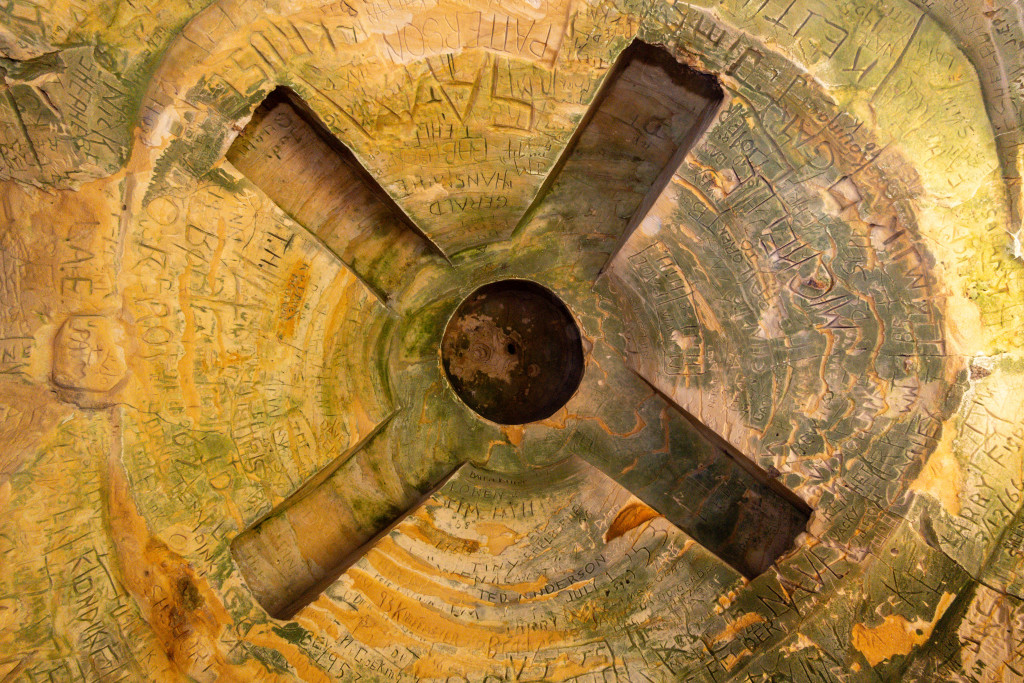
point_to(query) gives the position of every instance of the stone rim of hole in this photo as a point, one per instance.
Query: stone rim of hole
(482, 358)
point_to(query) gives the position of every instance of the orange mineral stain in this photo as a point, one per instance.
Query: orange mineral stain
(632, 515)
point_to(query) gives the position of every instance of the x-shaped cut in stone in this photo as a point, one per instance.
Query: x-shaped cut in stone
(634, 136)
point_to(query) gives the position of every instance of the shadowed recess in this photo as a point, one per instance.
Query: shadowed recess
(297, 551)
(512, 352)
(649, 113)
(287, 152)
(725, 500)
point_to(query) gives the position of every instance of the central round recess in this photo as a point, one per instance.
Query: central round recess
(512, 352)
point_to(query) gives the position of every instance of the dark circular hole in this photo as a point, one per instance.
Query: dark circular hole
(543, 361)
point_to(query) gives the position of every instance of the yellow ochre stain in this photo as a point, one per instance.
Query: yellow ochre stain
(632, 515)
(186, 364)
(514, 434)
(737, 626)
(942, 476)
(218, 253)
(895, 635)
(296, 282)
(498, 536)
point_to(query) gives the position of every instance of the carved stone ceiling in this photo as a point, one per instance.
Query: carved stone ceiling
(539, 340)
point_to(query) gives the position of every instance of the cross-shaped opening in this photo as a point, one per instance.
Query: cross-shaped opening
(648, 114)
